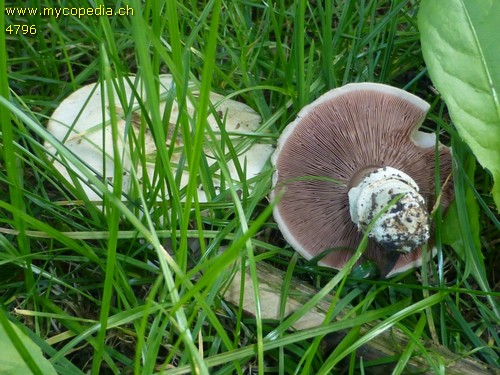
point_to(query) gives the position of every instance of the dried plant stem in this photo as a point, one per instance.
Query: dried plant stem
(389, 343)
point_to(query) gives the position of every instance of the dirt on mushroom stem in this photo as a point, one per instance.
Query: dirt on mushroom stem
(403, 226)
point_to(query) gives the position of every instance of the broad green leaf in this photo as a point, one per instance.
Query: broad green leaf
(12, 363)
(460, 47)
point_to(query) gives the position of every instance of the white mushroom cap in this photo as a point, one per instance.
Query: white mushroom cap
(335, 141)
(78, 123)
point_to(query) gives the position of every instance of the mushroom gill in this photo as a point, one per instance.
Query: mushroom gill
(328, 149)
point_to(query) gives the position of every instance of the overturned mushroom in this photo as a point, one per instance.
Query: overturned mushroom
(82, 123)
(346, 156)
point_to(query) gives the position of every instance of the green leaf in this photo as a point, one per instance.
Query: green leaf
(11, 362)
(452, 232)
(460, 47)
(466, 222)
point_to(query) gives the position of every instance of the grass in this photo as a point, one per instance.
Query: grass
(96, 289)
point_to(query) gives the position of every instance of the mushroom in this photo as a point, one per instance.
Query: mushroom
(78, 123)
(342, 161)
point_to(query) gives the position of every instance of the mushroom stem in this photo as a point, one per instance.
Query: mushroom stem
(405, 225)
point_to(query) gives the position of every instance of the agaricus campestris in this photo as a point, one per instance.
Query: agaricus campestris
(346, 157)
(82, 123)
